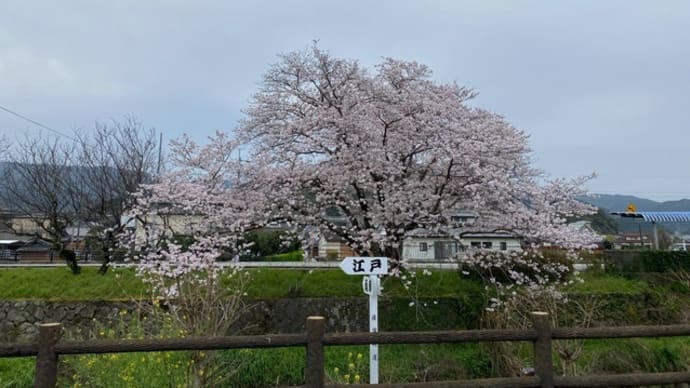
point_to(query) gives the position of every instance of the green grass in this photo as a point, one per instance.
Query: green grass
(635, 355)
(17, 372)
(288, 256)
(605, 283)
(398, 363)
(59, 284)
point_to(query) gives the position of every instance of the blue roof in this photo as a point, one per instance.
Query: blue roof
(658, 216)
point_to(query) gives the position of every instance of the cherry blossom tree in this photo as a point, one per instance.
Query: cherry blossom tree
(201, 198)
(391, 150)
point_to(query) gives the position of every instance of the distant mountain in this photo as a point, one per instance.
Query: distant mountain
(680, 205)
(618, 203)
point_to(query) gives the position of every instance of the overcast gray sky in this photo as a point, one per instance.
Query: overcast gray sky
(601, 86)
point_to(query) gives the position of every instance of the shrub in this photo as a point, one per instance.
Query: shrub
(267, 242)
(296, 255)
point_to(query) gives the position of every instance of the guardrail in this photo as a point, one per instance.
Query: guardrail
(49, 346)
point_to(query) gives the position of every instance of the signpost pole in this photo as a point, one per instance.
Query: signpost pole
(371, 268)
(374, 281)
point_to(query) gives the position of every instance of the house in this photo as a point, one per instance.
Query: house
(36, 251)
(425, 245)
(168, 224)
(310, 237)
(10, 242)
(632, 241)
(422, 244)
(24, 225)
(493, 241)
(9, 246)
(332, 246)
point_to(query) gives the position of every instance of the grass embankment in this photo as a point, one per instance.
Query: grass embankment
(597, 282)
(59, 284)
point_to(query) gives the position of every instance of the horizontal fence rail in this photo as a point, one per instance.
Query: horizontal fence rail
(429, 337)
(191, 343)
(49, 346)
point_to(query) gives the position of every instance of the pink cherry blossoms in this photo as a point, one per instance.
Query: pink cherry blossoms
(371, 156)
(366, 155)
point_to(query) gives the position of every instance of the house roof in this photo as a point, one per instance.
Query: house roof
(15, 237)
(579, 225)
(458, 232)
(35, 245)
(497, 234)
(331, 236)
(429, 233)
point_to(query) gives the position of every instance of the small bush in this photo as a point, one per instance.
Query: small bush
(267, 242)
(297, 255)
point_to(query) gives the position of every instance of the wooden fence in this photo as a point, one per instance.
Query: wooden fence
(49, 346)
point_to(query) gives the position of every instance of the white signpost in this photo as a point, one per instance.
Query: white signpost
(371, 284)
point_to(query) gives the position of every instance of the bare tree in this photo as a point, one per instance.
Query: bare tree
(41, 183)
(115, 158)
(57, 183)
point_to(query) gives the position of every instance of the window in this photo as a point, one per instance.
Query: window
(504, 246)
(475, 244)
(487, 244)
(423, 247)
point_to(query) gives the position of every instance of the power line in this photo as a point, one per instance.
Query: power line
(36, 123)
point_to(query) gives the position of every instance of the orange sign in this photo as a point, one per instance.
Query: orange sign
(631, 208)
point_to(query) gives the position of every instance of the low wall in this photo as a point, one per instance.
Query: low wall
(18, 319)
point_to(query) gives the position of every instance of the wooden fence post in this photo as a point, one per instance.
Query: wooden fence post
(315, 355)
(47, 360)
(543, 361)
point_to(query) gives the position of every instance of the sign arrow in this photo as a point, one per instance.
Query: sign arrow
(365, 265)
